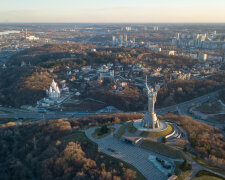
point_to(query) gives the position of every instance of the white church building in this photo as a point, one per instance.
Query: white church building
(55, 95)
(53, 92)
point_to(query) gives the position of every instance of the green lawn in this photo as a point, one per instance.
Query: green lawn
(162, 149)
(164, 132)
(6, 120)
(96, 135)
(220, 118)
(131, 128)
(210, 107)
(27, 119)
(206, 175)
(86, 105)
(181, 175)
(207, 178)
(205, 164)
(7, 112)
(81, 137)
(121, 131)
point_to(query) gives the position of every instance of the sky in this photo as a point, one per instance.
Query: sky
(113, 11)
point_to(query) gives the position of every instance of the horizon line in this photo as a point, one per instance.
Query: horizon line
(113, 22)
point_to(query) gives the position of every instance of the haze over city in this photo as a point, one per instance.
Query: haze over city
(93, 11)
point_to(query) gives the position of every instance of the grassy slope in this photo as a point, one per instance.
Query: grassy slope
(207, 175)
(121, 131)
(7, 112)
(206, 178)
(96, 132)
(162, 149)
(210, 107)
(179, 172)
(205, 164)
(157, 134)
(6, 120)
(131, 128)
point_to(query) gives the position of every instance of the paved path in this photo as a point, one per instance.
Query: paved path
(221, 102)
(129, 153)
(198, 167)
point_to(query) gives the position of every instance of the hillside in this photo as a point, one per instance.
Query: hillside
(208, 141)
(57, 149)
(23, 85)
(38, 56)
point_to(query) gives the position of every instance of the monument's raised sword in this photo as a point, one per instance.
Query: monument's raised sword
(150, 120)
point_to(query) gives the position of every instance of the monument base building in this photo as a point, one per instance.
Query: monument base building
(150, 121)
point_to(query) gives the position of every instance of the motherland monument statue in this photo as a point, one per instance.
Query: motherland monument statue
(150, 120)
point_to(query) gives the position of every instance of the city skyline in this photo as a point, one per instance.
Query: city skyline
(99, 11)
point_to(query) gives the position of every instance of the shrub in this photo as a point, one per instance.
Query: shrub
(103, 130)
(164, 139)
(186, 166)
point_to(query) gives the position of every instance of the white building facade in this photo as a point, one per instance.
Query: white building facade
(53, 92)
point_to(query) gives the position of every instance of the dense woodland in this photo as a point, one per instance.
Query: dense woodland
(38, 56)
(58, 150)
(182, 90)
(23, 86)
(208, 141)
(129, 100)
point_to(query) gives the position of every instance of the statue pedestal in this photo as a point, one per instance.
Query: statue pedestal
(138, 125)
(150, 121)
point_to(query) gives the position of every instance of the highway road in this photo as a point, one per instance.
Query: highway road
(182, 108)
(187, 104)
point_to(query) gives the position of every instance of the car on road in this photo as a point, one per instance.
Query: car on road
(112, 150)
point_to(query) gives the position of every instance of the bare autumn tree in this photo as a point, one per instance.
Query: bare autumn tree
(206, 140)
